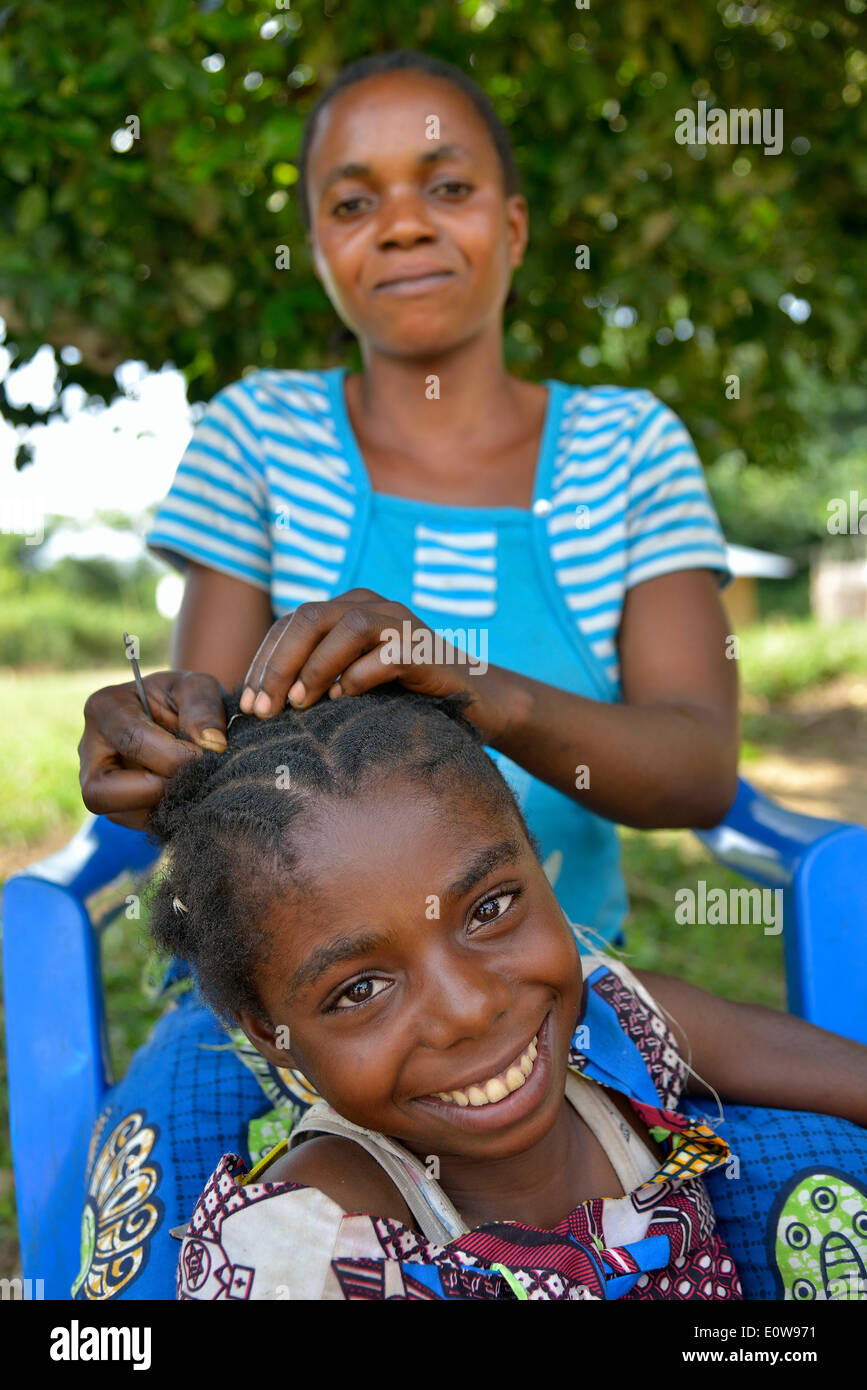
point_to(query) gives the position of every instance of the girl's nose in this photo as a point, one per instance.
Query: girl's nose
(463, 1000)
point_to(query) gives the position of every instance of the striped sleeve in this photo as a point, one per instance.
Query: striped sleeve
(217, 510)
(671, 523)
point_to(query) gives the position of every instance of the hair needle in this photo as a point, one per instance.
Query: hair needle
(139, 683)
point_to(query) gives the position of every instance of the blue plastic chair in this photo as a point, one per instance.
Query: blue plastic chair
(55, 1018)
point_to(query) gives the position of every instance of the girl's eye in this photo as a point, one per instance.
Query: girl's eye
(492, 909)
(359, 992)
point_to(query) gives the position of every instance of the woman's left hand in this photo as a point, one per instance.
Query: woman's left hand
(352, 643)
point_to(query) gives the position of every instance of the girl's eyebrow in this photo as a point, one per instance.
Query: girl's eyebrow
(354, 170)
(342, 948)
(506, 852)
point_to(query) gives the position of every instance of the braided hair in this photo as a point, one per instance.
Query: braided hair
(231, 821)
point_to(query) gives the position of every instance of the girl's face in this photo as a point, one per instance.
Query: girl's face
(422, 958)
(413, 236)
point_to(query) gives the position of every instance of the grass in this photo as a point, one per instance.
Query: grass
(781, 658)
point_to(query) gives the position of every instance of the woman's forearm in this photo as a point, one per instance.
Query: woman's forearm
(650, 765)
(220, 625)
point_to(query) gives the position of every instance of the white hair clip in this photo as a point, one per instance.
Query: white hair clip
(178, 905)
(239, 715)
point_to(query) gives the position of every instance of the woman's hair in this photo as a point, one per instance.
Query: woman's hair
(401, 60)
(233, 821)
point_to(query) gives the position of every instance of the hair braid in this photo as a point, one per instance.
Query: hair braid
(230, 820)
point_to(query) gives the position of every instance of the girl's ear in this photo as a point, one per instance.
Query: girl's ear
(271, 1041)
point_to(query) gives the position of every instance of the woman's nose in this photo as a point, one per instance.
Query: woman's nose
(403, 221)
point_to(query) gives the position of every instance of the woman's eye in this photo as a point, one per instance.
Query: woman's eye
(345, 206)
(454, 184)
(360, 992)
(492, 909)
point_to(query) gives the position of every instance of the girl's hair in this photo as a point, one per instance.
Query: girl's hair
(404, 59)
(233, 821)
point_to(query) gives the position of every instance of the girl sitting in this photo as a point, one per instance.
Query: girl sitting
(500, 1116)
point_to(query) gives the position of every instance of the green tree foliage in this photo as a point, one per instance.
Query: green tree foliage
(167, 251)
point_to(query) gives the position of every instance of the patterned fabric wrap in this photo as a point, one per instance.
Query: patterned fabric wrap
(255, 1239)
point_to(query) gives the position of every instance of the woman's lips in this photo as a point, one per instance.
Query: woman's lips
(416, 284)
(483, 1113)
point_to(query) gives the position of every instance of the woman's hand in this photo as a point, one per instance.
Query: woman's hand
(350, 644)
(126, 759)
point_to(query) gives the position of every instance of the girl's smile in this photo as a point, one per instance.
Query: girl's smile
(507, 1096)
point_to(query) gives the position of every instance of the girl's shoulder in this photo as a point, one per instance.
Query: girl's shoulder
(343, 1171)
(624, 1033)
(611, 414)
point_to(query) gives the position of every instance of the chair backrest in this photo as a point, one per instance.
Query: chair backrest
(56, 1038)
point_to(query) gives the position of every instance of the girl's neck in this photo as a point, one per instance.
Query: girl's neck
(538, 1187)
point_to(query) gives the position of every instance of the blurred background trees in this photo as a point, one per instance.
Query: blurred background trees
(147, 178)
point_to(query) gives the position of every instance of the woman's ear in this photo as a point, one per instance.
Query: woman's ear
(271, 1040)
(518, 222)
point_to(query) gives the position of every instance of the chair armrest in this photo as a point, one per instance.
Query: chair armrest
(821, 867)
(763, 840)
(96, 855)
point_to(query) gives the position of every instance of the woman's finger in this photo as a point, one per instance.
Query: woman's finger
(259, 664)
(124, 794)
(372, 670)
(358, 631)
(288, 644)
(117, 729)
(201, 714)
(278, 662)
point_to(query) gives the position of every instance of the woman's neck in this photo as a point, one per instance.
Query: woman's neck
(398, 394)
(456, 429)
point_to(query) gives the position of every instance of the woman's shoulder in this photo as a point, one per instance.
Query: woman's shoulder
(590, 408)
(293, 391)
(343, 1171)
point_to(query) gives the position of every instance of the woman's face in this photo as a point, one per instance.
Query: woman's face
(424, 955)
(413, 237)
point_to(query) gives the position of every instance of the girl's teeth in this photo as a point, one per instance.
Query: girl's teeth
(499, 1086)
(495, 1090)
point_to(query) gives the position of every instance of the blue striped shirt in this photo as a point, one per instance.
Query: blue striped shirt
(273, 490)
